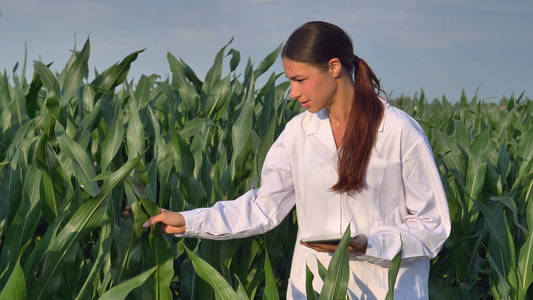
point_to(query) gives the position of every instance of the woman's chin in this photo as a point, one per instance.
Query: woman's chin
(313, 109)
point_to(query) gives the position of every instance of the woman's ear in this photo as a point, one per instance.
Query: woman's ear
(334, 67)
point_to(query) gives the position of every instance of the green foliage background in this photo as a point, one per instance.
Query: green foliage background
(74, 152)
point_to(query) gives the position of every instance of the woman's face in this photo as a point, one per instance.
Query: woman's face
(313, 87)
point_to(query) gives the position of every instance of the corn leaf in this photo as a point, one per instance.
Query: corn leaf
(21, 230)
(271, 291)
(104, 249)
(235, 59)
(393, 272)
(525, 256)
(113, 139)
(336, 282)
(477, 164)
(122, 290)
(114, 75)
(135, 133)
(311, 293)
(186, 90)
(68, 235)
(15, 288)
(75, 73)
(221, 287)
(47, 78)
(163, 258)
(83, 167)
(267, 62)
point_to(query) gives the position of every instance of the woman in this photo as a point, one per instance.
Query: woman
(350, 159)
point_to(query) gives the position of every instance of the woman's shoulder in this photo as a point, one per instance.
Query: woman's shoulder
(397, 121)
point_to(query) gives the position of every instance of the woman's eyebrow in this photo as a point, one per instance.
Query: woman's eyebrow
(294, 77)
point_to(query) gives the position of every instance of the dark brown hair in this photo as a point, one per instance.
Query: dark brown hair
(316, 43)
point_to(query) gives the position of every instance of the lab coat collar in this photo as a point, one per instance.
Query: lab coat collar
(319, 121)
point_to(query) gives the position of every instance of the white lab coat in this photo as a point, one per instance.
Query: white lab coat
(404, 201)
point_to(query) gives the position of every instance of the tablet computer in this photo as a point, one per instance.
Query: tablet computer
(326, 238)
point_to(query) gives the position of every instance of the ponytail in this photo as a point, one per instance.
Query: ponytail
(361, 130)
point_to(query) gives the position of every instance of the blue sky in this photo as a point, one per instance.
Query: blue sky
(440, 46)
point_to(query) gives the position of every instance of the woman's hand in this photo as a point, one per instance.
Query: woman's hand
(357, 245)
(169, 221)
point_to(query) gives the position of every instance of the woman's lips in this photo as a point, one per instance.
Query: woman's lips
(305, 104)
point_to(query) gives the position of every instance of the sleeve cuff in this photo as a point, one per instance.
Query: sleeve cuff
(381, 248)
(191, 223)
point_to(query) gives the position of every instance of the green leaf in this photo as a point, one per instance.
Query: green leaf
(501, 250)
(336, 282)
(15, 288)
(241, 292)
(242, 128)
(322, 271)
(150, 207)
(83, 167)
(163, 258)
(47, 194)
(113, 139)
(193, 126)
(21, 230)
(477, 164)
(525, 150)
(142, 90)
(186, 90)
(217, 97)
(267, 62)
(311, 294)
(135, 134)
(71, 231)
(14, 149)
(525, 256)
(235, 59)
(47, 78)
(104, 249)
(32, 95)
(114, 75)
(213, 75)
(393, 272)
(75, 73)
(52, 105)
(122, 290)
(271, 291)
(83, 134)
(221, 287)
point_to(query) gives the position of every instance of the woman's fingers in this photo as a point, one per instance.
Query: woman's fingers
(166, 217)
(154, 220)
(171, 229)
(321, 247)
(359, 244)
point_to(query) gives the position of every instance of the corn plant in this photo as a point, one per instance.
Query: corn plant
(484, 153)
(76, 152)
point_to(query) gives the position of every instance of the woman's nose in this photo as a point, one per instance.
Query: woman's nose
(295, 91)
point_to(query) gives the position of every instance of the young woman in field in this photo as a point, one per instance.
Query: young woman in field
(350, 159)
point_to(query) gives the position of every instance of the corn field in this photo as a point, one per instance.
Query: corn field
(75, 151)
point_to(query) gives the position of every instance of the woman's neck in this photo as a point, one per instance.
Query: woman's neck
(341, 106)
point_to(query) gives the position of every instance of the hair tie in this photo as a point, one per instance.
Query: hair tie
(355, 65)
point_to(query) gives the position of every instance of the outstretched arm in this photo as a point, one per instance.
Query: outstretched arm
(255, 212)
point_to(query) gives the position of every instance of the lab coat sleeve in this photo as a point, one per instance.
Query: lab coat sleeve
(427, 223)
(255, 212)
